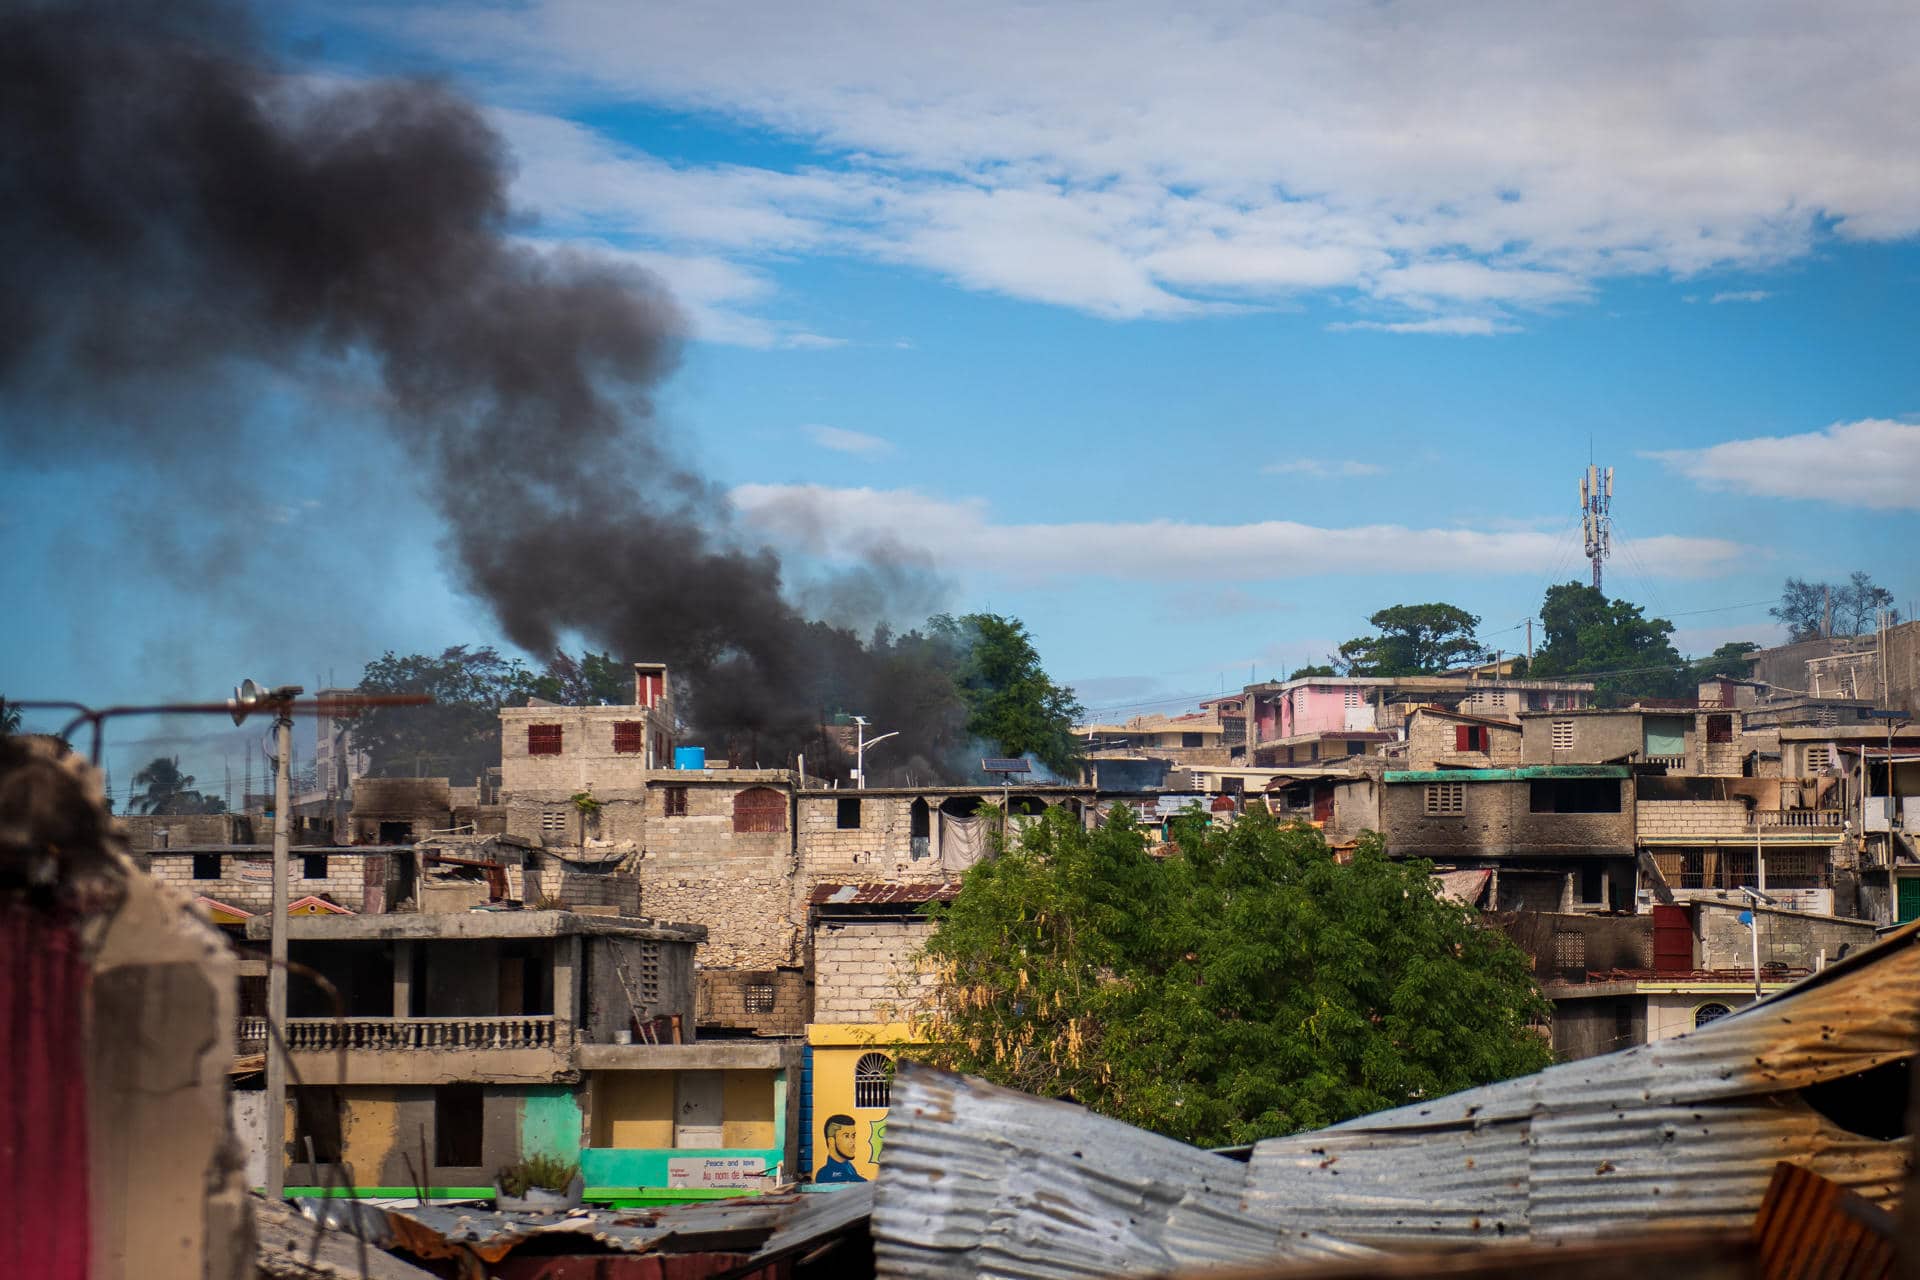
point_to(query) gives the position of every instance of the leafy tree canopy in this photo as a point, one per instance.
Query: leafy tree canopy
(1413, 639)
(458, 737)
(1312, 669)
(1245, 985)
(1610, 641)
(1010, 700)
(1729, 660)
(590, 680)
(1855, 604)
(166, 790)
(9, 718)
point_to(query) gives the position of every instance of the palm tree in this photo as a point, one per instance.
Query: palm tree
(9, 718)
(164, 786)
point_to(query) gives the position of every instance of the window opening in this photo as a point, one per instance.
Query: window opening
(1563, 735)
(759, 997)
(543, 739)
(459, 1125)
(316, 1119)
(1719, 728)
(1193, 740)
(313, 866)
(1709, 1013)
(673, 802)
(206, 866)
(872, 1080)
(759, 810)
(553, 820)
(1446, 797)
(847, 815)
(1569, 949)
(1574, 795)
(629, 737)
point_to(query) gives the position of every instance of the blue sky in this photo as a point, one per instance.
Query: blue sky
(1190, 337)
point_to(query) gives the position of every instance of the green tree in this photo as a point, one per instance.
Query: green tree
(1413, 639)
(9, 718)
(1854, 604)
(1610, 641)
(1312, 669)
(457, 737)
(164, 789)
(1729, 659)
(1010, 699)
(590, 680)
(1246, 984)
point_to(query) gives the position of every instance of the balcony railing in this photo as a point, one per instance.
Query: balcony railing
(250, 1036)
(1671, 762)
(1823, 819)
(319, 1035)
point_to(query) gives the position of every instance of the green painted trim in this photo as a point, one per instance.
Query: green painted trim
(1526, 773)
(389, 1193)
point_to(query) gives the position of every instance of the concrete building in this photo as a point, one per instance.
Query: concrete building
(1440, 739)
(1621, 980)
(473, 1039)
(1196, 738)
(1321, 717)
(1556, 837)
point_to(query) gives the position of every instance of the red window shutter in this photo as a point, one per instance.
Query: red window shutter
(543, 739)
(629, 737)
(759, 810)
(1463, 737)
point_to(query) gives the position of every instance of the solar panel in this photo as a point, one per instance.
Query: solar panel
(1005, 764)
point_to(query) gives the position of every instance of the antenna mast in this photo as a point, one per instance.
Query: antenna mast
(1596, 525)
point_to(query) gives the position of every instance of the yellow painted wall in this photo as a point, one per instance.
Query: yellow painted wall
(369, 1130)
(746, 1110)
(837, 1049)
(633, 1108)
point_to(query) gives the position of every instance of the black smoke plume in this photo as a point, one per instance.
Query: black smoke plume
(175, 209)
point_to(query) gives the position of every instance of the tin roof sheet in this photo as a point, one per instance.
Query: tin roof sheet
(980, 1180)
(865, 895)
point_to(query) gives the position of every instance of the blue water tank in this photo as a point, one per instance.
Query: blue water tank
(689, 757)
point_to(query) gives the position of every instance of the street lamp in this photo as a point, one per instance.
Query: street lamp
(247, 698)
(861, 743)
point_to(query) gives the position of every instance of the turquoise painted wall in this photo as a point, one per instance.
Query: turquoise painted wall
(647, 1166)
(550, 1123)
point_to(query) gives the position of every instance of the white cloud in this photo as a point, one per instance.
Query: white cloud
(1453, 326)
(1871, 463)
(960, 535)
(1741, 295)
(1129, 159)
(841, 440)
(1323, 467)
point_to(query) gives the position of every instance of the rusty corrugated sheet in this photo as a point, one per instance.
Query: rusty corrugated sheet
(1680, 1132)
(983, 1181)
(864, 895)
(1684, 1133)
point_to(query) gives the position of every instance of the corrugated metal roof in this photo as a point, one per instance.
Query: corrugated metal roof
(1680, 1133)
(864, 895)
(1683, 1131)
(981, 1181)
(760, 1227)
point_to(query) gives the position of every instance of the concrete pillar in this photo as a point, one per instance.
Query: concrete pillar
(403, 978)
(566, 987)
(933, 828)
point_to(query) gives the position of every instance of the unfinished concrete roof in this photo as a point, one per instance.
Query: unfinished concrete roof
(448, 925)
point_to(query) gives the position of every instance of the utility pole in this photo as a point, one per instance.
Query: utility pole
(247, 698)
(1596, 524)
(1529, 645)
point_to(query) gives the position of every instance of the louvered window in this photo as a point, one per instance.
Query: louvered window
(1563, 735)
(1446, 797)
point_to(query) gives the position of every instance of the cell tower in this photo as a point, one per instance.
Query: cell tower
(1596, 526)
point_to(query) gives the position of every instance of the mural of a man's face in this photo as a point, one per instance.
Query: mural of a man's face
(843, 1141)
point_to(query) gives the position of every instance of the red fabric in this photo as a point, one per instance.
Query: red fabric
(43, 1097)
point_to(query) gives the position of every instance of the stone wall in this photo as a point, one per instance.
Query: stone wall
(749, 906)
(1786, 937)
(344, 883)
(1498, 820)
(727, 1000)
(1691, 818)
(1432, 741)
(863, 970)
(587, 759)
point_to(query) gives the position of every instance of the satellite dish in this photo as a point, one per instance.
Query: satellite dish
(245, 700)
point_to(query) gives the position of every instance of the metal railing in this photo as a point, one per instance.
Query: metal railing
(1830, 819)
(316, 1035)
